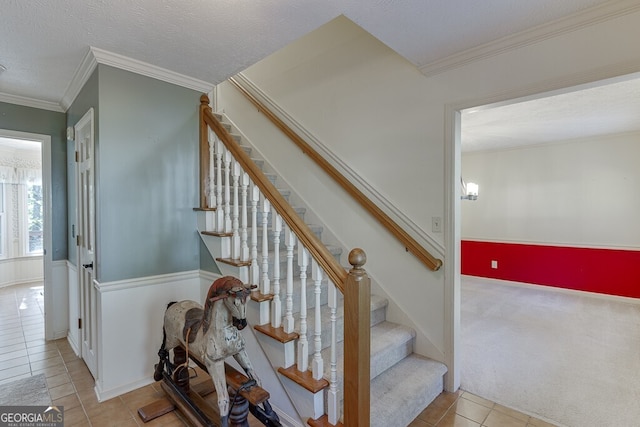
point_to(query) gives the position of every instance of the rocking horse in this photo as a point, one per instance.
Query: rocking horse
(208, 335)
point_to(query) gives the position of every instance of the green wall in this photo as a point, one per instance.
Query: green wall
(33, 120)
(146, 177)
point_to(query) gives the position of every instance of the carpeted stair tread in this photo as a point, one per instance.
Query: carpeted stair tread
(400, 393)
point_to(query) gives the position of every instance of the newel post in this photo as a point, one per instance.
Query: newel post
(357, 346)
(205, 179)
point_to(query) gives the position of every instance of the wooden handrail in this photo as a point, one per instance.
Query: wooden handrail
(316, 248)
(409, 242)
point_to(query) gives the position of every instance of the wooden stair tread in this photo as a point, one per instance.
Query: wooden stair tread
(305, 379)
(234, 262)
(205, 209)
(323, 421)
(217, 233)
(277, 333)
(258, 296)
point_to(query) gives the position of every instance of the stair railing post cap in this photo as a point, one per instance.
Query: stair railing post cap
(357, 258)
(204, 99)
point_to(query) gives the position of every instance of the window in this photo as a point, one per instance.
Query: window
(21, 198)
(34, 211)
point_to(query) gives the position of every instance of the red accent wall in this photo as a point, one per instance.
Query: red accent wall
(605, 271)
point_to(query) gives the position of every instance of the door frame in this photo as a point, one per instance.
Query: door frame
(87, 119)
(47, 237)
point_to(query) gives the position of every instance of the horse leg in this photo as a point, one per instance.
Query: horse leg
(243, 360)
(217, 373)
(163, 354)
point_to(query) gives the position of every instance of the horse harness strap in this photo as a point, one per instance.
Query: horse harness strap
(193, 320)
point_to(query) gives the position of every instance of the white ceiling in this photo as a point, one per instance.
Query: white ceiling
(43, 42)
(610, 107)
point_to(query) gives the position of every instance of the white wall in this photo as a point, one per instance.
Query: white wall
(130, 318)
(581, 192)
(14, 271)
(394, 127)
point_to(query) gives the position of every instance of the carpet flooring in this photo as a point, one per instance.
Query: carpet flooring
(31, 391)
(569, 358)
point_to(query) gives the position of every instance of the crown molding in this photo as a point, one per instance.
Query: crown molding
(31, 102)
(97, 56)
(586, 18)
(145, 69)
(79, 79)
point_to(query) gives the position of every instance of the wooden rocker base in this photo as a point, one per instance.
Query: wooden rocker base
(192, 402)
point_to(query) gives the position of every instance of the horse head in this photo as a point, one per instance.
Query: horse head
(234, 295)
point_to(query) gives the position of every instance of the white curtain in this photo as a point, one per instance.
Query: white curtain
(13, 175)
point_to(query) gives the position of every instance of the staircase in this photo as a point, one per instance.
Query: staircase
(296, 312)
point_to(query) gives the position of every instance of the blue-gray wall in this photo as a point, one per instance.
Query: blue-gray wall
(44, 122)
(147, 177)
(86, 99)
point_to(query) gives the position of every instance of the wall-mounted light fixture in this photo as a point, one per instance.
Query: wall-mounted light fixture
(469, 190)
(2, 68)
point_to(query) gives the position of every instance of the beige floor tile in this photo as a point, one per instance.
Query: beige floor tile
(49, 354)
(75, 416)
(14, 371)
(471, 410)
(500, 419)
(4, 349)
(50, 371)
(111, 406)
(477, 399)
(511, 412)
(58, 380)
(68, 402)
(47, 363)
(438, 408)
(11, 379)
(167, 420)
(61, 391)
(10, 363)
(533, 421)
(140, 397)
(451, 419)
(419, 423)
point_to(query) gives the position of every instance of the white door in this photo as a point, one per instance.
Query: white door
(86, 239)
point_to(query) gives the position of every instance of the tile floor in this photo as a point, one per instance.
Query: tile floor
(463, 409)
(24, 352)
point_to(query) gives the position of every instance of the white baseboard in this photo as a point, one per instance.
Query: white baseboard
(104, 395)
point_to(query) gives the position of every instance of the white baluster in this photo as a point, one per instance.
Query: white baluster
(235, 224)
(303, 343)
(317, 365)
(266, 284)
(255, 268)
(289, 243)
(332, 394)
(227, 191)
(219, 210)
(244, 247)
(276, 303)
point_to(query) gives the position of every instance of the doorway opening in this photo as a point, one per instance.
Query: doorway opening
(25, 218)
(558, 163)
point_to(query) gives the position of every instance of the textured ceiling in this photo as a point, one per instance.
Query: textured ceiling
(607, 108)
(43, 42)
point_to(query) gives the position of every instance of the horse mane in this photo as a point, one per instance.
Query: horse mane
(219, 289)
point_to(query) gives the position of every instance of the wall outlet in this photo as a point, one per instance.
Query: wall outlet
(436, 224)
(494, 264)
